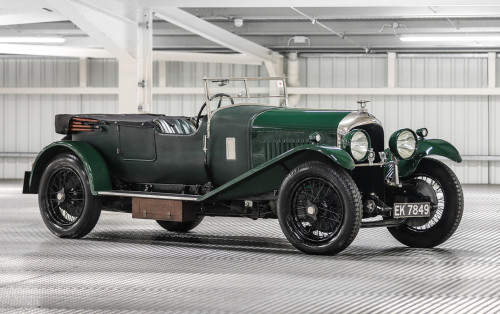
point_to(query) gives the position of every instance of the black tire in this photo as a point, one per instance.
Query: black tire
(67, 206)
(444, 220)
(177, 226)
(319, 208)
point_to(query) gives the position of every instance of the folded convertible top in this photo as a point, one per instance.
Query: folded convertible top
(64, 123)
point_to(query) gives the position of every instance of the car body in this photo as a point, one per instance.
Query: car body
(322, 173)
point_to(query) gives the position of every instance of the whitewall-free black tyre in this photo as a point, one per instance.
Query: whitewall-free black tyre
(444, 188)
(319, 208)
(67, 206)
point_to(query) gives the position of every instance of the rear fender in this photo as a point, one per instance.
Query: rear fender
(268, 176)
(94, 164)
(426, 148)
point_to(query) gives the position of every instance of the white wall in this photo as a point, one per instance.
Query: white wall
(469, 122)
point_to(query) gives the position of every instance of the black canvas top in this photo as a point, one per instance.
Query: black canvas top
(145, 120)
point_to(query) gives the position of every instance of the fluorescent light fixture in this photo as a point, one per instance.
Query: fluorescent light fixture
(453, 38)
(25, 39)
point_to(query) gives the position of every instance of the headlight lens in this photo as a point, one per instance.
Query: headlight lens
(357, 144)
(403, 143)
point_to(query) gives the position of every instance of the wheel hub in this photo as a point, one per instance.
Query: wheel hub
(311, 210)
(60, 196)
(425, 189)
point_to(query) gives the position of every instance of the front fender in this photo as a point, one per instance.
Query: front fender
(94, 164)
(269, 175)
(335, 154)
(426, 148)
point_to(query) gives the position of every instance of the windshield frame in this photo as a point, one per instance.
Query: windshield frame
(224, 81)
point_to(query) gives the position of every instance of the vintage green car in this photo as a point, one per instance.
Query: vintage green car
(322, 173)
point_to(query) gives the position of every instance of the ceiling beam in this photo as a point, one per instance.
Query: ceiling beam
(312, 3)
(205, 57)
(40, 16)
(214, 33)
(110, 32)
(55, 51)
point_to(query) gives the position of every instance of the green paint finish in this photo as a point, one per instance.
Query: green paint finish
(269, 175)
(279, 130)
(299, 119)
(233, 123)
(426, 148)
(96, 168)
(153, 158)
(137, 143)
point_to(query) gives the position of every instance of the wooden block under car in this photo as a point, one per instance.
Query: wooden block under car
(166, 210)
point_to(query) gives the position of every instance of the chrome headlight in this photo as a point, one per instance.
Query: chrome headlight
(403, 143)
(357, 144)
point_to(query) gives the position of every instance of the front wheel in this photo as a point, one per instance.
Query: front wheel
(319, 208)
(67, 206)
(436, 181)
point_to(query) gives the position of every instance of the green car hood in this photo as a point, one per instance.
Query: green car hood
(278, 130)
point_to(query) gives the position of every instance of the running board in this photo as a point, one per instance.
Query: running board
(152, 195)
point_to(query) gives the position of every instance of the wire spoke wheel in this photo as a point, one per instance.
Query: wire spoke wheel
(438, 183)
(317, 210)
(67, 206)
(66, 196)
(434, 191)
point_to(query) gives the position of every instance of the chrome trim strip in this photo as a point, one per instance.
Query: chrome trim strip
(378, 164)
(149, 195)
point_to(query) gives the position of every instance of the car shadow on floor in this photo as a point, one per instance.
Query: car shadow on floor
(196, 240)
(258, 245)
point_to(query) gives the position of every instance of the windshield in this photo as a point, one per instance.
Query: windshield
(265, 91)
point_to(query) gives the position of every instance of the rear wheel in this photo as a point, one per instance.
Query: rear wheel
(319, 208)
(437, 182)
(183, 226)
(67, 206)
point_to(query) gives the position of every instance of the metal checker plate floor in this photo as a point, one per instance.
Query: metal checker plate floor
(239, 265)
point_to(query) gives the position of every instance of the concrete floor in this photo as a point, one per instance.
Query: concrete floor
(240, 265)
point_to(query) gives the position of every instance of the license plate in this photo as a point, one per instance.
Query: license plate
(408, 210)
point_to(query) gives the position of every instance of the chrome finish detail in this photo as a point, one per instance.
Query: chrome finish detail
(205, 149)
(163, 196)
(353, 120)
(207, 101)
(395, 178)
(371, 157)
(60, 196)
(375, 164)
(383, 156)
(311, 210)
(318, 138)
(362, 105)
(315, 137)
(225, 81)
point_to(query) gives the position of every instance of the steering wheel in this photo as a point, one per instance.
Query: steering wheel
(221, 95)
